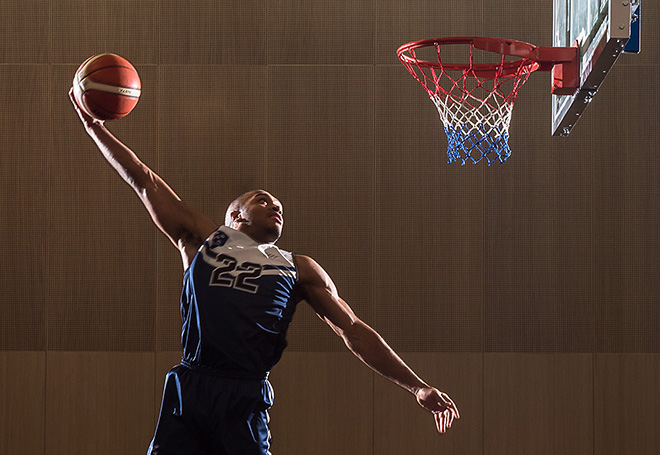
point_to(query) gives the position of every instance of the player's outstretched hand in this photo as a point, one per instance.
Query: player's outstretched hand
(443, 408)
(87, 119)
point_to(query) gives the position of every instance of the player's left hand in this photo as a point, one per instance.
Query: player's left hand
(443, 408)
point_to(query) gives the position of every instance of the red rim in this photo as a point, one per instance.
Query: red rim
(527, 52)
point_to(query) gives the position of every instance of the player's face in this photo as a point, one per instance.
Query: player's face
(261, 217)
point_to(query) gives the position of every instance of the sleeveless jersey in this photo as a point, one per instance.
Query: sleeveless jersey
(236, 305)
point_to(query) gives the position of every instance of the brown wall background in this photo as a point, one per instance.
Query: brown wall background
(528, 291)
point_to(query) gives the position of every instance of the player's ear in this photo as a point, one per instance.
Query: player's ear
(236, 216)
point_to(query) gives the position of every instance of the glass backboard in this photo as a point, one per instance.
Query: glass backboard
(602, 30)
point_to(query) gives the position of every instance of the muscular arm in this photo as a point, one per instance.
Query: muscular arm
(185, 228)
(320, 292)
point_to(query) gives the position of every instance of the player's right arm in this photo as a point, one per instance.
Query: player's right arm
(318, 289)
(185, 228)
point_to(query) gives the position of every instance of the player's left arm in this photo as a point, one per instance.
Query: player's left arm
(317, 288)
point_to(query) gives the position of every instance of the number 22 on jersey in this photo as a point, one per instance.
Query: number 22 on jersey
(230, 274)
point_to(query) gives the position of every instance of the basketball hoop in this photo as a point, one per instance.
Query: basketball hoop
(475, 100)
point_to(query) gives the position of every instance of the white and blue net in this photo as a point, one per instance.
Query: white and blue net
(475, 129)
(475, 103)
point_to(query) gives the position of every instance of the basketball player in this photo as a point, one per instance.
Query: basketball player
(239, 295)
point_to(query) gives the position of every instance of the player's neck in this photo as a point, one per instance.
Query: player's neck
(260, 236)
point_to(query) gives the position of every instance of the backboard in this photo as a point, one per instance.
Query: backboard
(602, 30)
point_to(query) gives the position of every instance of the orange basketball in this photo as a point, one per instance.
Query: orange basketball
(107, 86)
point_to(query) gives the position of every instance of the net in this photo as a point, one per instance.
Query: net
(474, 100)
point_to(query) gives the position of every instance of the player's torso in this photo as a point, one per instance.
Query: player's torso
(237, 302)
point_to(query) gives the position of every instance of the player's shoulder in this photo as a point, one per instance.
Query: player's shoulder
(304, 262)
(225, 235)
(309, 271)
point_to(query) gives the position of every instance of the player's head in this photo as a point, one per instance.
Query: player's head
(258, 214)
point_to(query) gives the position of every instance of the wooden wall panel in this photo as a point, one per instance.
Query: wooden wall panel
(538, 235)
(101, 240)
(429, 227)
(24, 26)
(538, 403)
(211, 149)
(22, 402)
(320, 165)
(99, 402)
(400, 22)
(23, 206)
(82, 28)
(323, 405)
(627, 214)
(211, 32)
(211, 133)
(402, 426)
(627, 404)
(320, 32)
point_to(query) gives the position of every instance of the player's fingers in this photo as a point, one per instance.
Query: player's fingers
(72, 98)
(451, 406)
(448, 418)
(440, 422)
(452, 416)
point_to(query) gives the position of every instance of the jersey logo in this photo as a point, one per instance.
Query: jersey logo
(242, 281)
(219, 239)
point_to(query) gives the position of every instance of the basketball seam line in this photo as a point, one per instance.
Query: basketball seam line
(122, 91)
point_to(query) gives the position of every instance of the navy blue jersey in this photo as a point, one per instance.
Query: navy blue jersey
(237, 304)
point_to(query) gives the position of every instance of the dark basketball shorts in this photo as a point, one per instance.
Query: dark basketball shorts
(203, 414)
